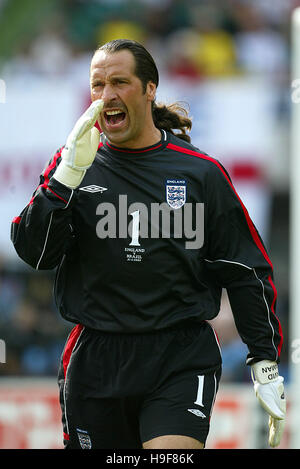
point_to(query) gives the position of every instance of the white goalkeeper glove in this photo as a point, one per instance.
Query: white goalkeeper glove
(269, 390)
(81, 148)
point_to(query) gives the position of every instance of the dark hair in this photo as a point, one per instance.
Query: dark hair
(168, 117)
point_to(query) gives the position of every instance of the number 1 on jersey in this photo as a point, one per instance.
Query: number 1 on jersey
(135, 228)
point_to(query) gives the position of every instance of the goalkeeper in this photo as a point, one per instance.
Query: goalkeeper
(141, 366)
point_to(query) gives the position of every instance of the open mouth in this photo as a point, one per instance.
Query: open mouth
(114, 118)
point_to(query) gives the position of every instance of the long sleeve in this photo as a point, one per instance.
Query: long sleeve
(238, 261)
(42, 230)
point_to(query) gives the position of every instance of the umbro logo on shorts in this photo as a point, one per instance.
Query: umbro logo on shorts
(93, 188)
(198, 413)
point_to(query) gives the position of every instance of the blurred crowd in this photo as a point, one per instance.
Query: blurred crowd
(190, 39)
(195, 38)
(33, 331)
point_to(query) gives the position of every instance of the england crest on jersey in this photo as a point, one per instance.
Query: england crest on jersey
(176, 192)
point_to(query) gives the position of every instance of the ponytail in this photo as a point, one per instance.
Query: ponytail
(172, 117)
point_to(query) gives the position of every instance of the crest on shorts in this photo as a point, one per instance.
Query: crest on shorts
(84, 439)
(175, 192)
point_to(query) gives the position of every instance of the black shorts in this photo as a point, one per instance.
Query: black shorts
(120, 390)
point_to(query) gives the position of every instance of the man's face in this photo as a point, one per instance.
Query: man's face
(127, 109)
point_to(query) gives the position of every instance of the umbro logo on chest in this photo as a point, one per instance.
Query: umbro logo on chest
(93, 188)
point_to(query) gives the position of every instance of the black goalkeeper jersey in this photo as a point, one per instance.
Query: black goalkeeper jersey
(148, 240)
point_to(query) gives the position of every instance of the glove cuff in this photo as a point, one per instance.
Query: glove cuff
(264, 371)
(67, 176)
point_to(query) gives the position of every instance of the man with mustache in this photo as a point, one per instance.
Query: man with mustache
(141, 368)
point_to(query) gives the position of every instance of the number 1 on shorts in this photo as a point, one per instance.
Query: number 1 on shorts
(198, 401)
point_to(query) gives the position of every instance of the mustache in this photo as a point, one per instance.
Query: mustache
(114, 105)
